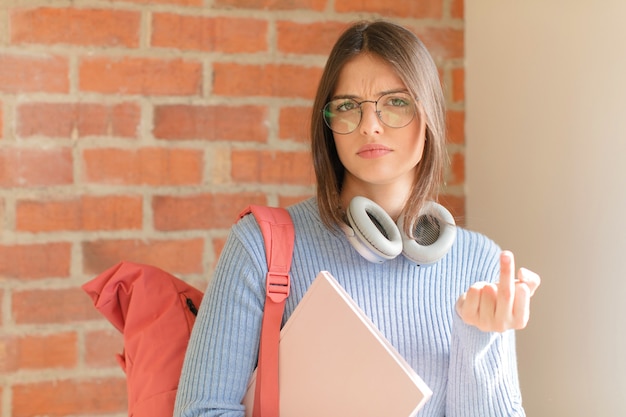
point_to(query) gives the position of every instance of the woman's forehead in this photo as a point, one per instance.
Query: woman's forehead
(367, 76)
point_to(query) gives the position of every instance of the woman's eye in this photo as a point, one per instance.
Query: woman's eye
(346, 106)
(397, 102)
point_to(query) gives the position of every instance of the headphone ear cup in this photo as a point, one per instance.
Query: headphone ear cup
(372, 232)
(434, 233)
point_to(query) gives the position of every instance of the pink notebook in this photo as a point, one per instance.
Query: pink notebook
(333, 362)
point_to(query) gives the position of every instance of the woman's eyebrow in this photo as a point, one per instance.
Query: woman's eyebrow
(395, 90)
(338, 96)
(380, 93)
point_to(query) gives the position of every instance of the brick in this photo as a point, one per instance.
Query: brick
(71, 26)
(66, 120)
(457, 9)
(145, 166)
(270, 167)
(443, 43)
(2, 211)
(222, 34)
(35, 261)
(458, 84)
(231, 123)
(145, 76)
(307, 38)
(52, 306)
(101, 348)
(38, 351)
(59, 398)
(33, 73)
(317, 5)
(173, 2)
(294, 123)
(28, 167)
(86, 213)
(457, 169)
(272, 80)
(202, 211)
(455, 120)
(178, 256)
(432, 9)
(1, 121)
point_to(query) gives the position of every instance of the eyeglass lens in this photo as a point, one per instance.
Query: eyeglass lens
(343, 115)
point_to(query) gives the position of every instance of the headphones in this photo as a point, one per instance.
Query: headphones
(373, 233)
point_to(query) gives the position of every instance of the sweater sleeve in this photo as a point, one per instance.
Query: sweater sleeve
(223, 348)
(482, 375)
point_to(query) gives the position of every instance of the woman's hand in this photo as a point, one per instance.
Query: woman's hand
(502, 306)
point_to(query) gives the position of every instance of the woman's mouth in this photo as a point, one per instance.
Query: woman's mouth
(372, 151)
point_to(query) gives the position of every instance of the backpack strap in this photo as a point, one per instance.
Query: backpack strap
(278, 237)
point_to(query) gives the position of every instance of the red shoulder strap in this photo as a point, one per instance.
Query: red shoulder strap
(278, 236)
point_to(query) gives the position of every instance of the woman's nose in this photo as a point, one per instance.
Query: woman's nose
(370, 122)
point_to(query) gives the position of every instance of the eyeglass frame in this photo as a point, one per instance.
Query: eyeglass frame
(375, 102)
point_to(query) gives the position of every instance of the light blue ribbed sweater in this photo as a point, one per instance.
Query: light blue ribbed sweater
(471, 373)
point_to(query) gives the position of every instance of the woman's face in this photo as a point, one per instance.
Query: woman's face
(375, 155)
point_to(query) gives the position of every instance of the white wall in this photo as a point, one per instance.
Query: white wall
(546, 177)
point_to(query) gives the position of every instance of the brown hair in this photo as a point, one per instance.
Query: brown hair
(408, 56)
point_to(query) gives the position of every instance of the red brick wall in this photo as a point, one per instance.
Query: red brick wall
(137, 130)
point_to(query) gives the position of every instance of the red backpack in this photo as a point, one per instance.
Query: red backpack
(156, 311)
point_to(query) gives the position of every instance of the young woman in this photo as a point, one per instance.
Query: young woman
(378, 131)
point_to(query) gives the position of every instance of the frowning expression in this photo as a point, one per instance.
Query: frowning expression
(375, 153)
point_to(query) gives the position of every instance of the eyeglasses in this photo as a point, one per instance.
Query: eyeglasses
(343, 115)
